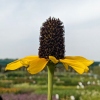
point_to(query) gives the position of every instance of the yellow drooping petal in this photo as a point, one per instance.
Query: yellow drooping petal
(27, 59)
(53, 59)
(79, 67)
(37, 65)
(81, 59)
(79, 64)
(20, 63)
(14, 65)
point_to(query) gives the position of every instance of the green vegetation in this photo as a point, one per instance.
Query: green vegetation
(66, 84)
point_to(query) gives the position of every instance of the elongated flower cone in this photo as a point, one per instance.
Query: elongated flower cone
(52, 39)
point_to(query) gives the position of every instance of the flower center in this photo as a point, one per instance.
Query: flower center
(52, 39)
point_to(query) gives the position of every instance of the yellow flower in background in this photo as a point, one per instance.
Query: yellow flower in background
(52, 49)
(34, 64)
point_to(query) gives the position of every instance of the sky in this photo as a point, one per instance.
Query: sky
(20, 22)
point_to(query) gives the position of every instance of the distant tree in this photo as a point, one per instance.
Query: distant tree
(0, 68)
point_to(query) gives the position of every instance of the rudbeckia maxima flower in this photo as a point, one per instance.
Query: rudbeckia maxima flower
(34, 64)
(52, 49)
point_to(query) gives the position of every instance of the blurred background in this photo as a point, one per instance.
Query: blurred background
(20, 22)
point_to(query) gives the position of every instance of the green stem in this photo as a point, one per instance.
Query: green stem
(51, 68)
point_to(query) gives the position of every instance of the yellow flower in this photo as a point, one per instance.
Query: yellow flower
(51, 48)
(34, 64)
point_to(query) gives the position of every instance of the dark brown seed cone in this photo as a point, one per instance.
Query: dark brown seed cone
(52, 39)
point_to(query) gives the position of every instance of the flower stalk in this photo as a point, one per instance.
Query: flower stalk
(51, 68)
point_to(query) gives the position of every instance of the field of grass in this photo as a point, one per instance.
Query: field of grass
(66, 85)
